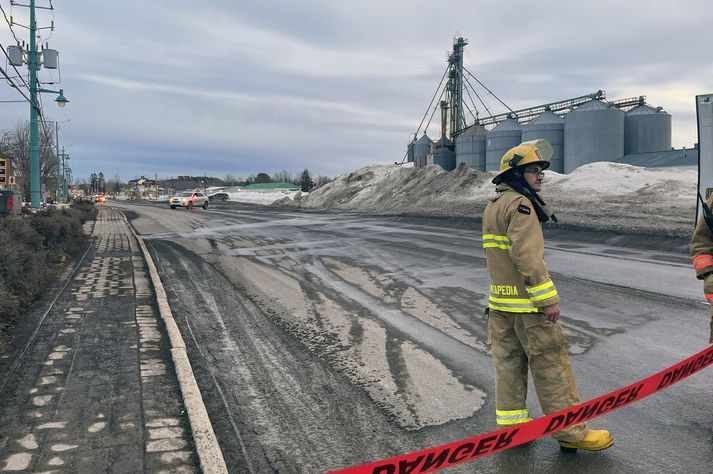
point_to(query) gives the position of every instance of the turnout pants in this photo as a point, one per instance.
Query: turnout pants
(520, 341)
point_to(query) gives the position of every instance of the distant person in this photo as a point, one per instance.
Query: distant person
(701, 249)
(523, 326)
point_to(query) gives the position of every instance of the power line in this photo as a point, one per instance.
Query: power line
(9, 25)
(19, 74)
(12, 83)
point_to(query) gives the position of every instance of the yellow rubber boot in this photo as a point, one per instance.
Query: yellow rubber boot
(594, 440)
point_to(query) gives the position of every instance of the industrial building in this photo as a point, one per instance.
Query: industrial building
(581, 130)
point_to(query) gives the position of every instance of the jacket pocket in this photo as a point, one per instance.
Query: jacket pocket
(544, 336)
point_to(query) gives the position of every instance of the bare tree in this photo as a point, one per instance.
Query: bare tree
(283, 176)
(229, 180)
(15, 144)
(322, 180)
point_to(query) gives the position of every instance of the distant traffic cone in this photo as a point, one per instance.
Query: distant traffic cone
(594, 440)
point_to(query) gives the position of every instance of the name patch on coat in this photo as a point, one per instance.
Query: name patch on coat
(523, 209)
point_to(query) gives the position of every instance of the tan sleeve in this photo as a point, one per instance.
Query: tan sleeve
(701, 247)
(527, 251)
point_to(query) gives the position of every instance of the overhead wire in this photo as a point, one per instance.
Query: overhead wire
(432, 99)
(434, 111)
(474, 115)
(465, 104)
(12, 83)
(9, 25)
(487, 89)
(478, 96)
(19, 74)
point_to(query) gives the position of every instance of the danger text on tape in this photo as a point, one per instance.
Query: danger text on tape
(447, 455)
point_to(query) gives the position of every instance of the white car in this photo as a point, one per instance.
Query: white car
(189, 199)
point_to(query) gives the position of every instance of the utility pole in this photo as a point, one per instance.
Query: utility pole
(34, 112)
(56, 146)
(64, 173)
(33, 63)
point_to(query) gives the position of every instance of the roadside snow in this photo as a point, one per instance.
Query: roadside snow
(264, 198)
(603, 196)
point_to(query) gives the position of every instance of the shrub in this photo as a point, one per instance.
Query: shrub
(35, 248)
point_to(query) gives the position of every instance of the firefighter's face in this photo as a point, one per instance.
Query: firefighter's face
(534, 175)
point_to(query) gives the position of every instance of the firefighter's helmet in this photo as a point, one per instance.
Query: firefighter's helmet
(526, 153)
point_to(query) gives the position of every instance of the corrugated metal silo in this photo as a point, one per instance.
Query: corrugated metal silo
(421, 149)
(444, 155)
(647, 129)
(470, 147)
(499, 140)
(549, 126)
(593, 132)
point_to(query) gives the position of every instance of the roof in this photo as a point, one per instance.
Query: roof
(660, 159)
(545, 118)
(272, 186)
(507, 125)
(646, 109)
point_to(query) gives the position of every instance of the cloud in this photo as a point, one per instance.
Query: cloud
(332, 86)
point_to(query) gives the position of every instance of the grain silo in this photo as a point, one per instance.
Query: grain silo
(593, 132)
(421, 149)
(647, 129)
(409, 150)
(549, 126)
(444, 155)
(500, 139)
(470, 147)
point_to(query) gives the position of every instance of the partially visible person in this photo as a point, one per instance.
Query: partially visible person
(701, 249)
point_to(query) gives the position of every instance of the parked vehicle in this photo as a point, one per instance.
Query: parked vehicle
(189, 199)
(218, 197)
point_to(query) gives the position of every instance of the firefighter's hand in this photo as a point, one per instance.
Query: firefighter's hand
(708, 284)
(552, 312)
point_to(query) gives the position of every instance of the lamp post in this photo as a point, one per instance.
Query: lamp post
(34, 132)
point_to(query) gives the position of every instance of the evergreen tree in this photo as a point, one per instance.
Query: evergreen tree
(306, 183)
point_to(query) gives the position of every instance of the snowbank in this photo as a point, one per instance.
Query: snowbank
(264, 198)
(604, 196)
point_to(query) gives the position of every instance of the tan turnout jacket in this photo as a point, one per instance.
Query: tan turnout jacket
(515, 249)
(702, 248)
(702, 254)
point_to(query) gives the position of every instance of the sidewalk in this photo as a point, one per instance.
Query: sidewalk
(95, 390)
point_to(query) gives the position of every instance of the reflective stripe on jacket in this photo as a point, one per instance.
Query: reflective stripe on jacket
(515, 249)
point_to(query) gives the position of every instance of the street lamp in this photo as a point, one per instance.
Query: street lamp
(61, 99)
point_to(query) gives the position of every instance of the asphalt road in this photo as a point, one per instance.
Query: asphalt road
(322, 340)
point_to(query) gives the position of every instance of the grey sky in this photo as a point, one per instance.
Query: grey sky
(242, 87)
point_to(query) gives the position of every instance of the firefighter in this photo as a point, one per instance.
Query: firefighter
(701, 249)
(523, 327)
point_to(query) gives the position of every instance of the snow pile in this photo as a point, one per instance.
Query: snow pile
(606, 196)
(264, 198)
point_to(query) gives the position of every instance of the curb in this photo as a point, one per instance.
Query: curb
(209, 453)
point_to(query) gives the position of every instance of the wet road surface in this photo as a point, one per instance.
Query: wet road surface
(322, 340)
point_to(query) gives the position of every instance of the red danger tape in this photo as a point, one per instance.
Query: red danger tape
(465, 450)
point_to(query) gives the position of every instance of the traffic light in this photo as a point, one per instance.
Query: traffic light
(4, 170)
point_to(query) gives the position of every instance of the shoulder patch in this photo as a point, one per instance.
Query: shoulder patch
(523, 209)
